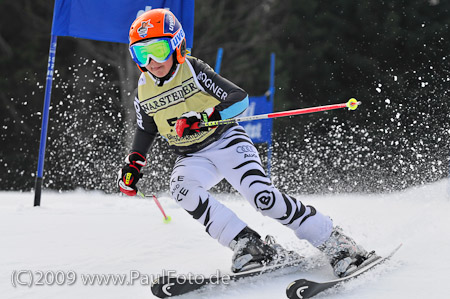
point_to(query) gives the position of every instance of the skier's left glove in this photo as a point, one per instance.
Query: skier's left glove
(188, 123)
(130, 174)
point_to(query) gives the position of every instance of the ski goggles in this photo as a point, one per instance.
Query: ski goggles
(158, 49)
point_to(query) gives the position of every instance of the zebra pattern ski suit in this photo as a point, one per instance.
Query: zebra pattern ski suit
(235, 158)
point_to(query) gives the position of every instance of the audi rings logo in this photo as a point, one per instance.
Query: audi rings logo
(264, 200)
(245, 149)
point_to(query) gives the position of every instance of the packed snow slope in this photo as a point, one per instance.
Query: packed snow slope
(80, 234)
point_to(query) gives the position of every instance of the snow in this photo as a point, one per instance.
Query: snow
(91, 233)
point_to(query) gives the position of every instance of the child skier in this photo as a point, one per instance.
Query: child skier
(175, 93)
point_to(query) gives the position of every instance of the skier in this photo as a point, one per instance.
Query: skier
(175, 93)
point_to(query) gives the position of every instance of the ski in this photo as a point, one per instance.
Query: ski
(170, 285)
(303, 288)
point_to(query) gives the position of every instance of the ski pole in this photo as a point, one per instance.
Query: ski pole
(351, 104)
(167, 219)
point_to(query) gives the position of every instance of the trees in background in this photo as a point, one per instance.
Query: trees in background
(391, 55)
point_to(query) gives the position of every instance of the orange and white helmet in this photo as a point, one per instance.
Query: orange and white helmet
(157, 34)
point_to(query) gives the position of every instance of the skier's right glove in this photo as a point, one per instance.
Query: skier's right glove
(130, 174)
(188, 123)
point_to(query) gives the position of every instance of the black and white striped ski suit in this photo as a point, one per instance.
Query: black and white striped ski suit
(235, 158)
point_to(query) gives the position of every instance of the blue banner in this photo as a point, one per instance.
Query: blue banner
(260, 131)
(110, 20)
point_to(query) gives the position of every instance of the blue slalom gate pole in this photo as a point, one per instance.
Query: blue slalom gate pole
(218, 60)
(45, 114)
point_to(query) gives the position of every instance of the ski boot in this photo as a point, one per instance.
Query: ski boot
(250, 252)
(344, 254)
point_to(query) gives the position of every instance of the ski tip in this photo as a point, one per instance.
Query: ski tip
(300, 288)
(396, 249)
(303, 288)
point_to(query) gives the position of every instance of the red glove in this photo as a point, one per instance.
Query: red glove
(130, 174)
(188, 123)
